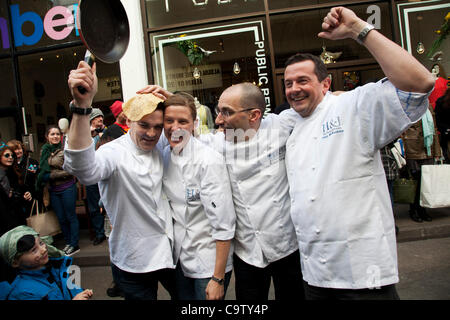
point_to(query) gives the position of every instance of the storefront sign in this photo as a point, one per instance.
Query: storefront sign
(182, 79)
(54, 19)
(108, 89)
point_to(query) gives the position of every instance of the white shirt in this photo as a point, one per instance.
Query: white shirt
(130, 184)
(340, 202)
(264, 230)
(197, 185)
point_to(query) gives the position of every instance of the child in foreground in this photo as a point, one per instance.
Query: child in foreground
(42, 269)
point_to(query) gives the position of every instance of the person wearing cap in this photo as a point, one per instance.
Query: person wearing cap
(92, 192)
(43, 271)
(129, 173)
(119, 127)
(96, 120)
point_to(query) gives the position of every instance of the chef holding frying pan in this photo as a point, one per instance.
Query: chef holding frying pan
(129, 169)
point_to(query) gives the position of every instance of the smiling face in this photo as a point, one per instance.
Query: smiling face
(53, 136)
(19, 152)
(145, 132)
(179, 124)
(7, 157)
(304, 91)
(35, 258)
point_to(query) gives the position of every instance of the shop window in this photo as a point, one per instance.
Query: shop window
(37, 24)
(297, 32)
(10, 115)
(204, 61)
(46, 95)
(168, 12)
(421, 24)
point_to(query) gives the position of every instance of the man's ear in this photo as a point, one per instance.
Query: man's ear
(255, 115)
(326, 83)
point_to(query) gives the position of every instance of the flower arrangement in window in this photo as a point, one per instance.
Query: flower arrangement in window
(191, 50)
(443, 32)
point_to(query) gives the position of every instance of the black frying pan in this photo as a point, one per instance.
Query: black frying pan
(104, 30)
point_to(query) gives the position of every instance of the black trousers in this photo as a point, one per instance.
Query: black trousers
(388, 292)
(144, 286)
(253, 283)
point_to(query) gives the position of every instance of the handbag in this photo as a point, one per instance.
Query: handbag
(404, 189)
(45, 223)
(435, 186)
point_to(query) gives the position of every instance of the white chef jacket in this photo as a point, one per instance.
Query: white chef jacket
(340, 202)
(198, 188)
(130, 184)
(264, 230)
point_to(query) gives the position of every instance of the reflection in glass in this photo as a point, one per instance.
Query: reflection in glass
(231, 53)
(236, 68)
(297, 32)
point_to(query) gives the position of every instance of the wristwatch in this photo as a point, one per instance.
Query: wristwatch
(82, 111)
(219, 281)
(364, 32)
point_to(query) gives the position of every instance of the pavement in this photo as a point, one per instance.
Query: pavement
(94, 260)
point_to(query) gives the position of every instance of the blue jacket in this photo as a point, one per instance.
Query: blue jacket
(49, 283)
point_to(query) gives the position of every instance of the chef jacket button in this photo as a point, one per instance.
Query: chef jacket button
(322, 260)
(257, 232)
(317, 231)
(312, 198)
(306, 257)
(314, 168)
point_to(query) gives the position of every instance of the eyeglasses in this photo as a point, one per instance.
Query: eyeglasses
(7, 155)
(227, 113)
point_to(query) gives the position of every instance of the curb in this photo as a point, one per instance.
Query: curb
(424, 233)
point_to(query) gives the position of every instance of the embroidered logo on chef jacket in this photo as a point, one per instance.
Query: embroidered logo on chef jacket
(192, 194)
(277, 155)
(331, 127)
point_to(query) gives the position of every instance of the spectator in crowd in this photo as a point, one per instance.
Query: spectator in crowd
(97, 127)
(28, 167)
(442, 112)
(422, 147)
(14, 195)
(61, 186)
(119, 127)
